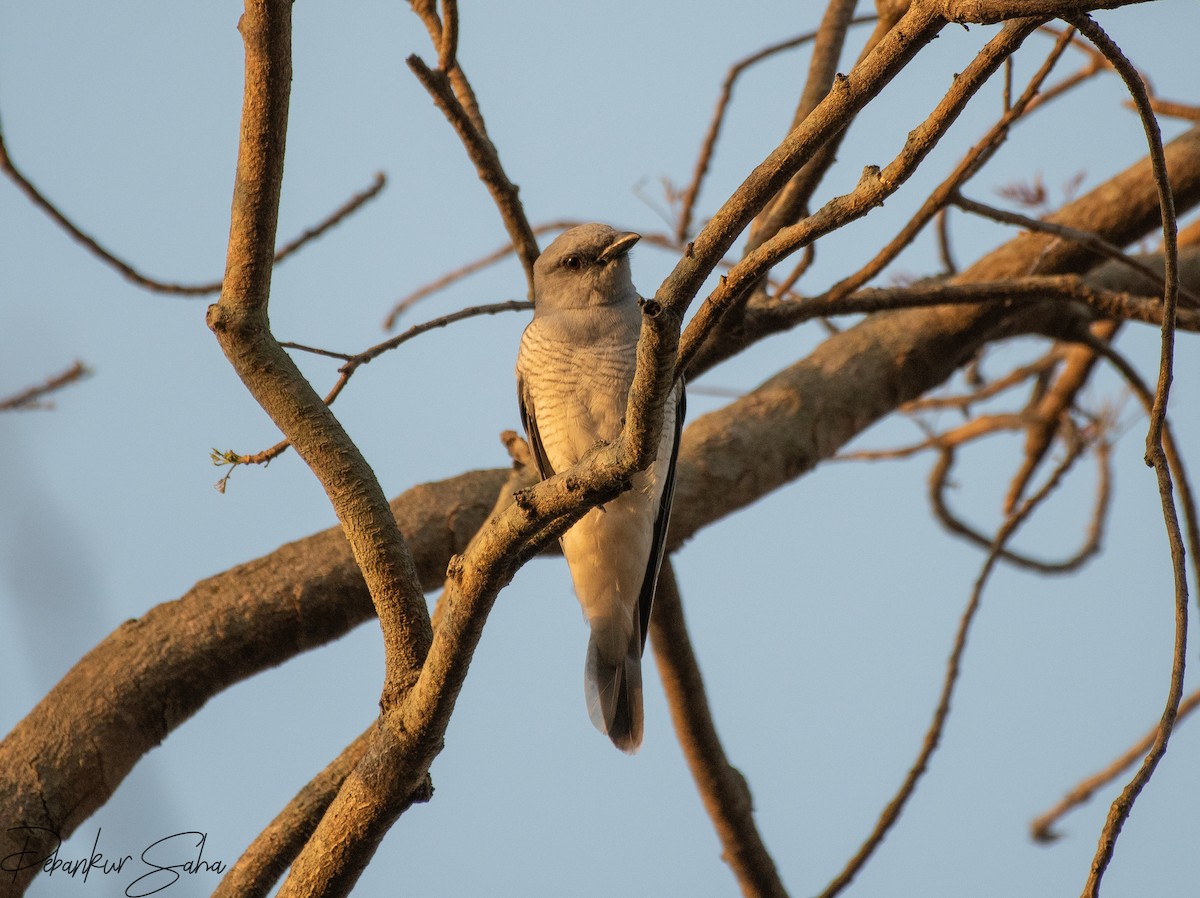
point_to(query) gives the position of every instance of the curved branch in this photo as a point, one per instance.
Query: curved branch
(155, 285)
(1155, 454)
(1041, 828)
(1095, 531)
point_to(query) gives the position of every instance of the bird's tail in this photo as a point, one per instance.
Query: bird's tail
(613, 682)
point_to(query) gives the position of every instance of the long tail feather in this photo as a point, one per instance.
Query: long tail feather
(613, 685)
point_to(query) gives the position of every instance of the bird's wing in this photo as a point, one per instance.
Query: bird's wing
(657, 547)
(529, 419)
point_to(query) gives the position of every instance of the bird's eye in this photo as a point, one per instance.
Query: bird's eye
(573, 262)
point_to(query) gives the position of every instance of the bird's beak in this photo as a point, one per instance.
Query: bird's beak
(619, 247)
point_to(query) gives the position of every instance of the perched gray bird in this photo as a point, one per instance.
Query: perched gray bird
(574, 371)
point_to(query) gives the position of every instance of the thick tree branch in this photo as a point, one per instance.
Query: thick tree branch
(241, 325)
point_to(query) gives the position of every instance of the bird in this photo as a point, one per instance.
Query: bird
(575, 367)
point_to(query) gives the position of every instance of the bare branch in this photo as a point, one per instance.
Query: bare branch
(352, 364)
(452, 93)
(1091, 241)
(153, 284)
(1027, 290)
(986, 390)
(1042, 827)
(336, 217)
(32, 397)
(328, 866)
(791, 202)
(411, 299)
(722, 787)
(933, 735)
(938, 479)
(1051, 410)
(876, 184)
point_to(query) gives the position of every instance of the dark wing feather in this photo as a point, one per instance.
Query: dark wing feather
(658, 546)
(529, 420)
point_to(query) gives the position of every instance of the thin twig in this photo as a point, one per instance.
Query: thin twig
(1091, 241)
(168, 287)
(452, 93)
(989, 389)
(352, 364)
(708, 145)
(939, 477)
(1051, 409)
(348, 208)
(933, 735)
(945, 253)
(1123, 805)
(31, 397)
(409, 300)
(1034, 289)
(807, 256)
(1041, 828)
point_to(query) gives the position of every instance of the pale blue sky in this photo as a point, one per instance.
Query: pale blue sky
(822, 615)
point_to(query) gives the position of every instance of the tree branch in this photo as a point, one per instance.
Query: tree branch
(31, 397)
(273, 850)
(452, 93)
(723, 789)
(893, 810)
(1155, 454)
(876, 184)
(155, 285)
(83, 735)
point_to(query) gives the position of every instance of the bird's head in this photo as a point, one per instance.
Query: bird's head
(585, 267)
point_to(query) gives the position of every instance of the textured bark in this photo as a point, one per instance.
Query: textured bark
(65, 758)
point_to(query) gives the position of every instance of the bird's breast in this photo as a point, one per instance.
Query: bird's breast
(578, 391)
